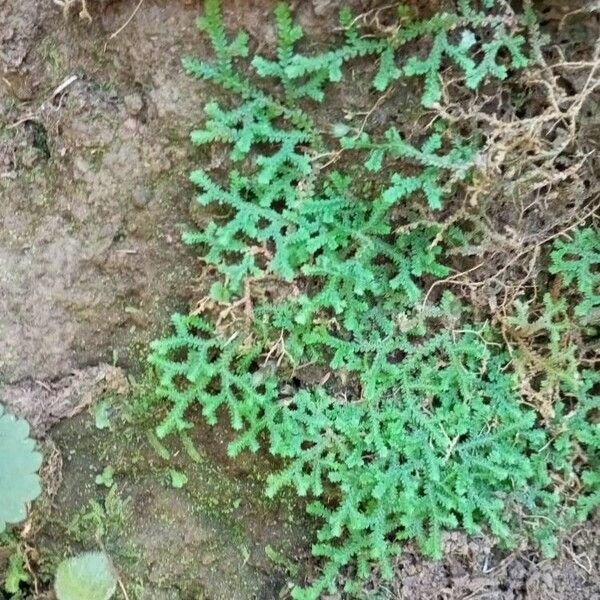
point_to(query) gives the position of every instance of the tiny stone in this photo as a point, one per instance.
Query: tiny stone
(130, 124)
(548, 580)
(82, 165)
(160, 164)
(141, 196)
(207, 559)
(134, 104)
(29, 157)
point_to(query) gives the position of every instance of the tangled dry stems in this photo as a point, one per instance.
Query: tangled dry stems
(536, 181)
(537, 174)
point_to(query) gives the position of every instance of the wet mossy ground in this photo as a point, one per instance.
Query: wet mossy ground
(215, 537)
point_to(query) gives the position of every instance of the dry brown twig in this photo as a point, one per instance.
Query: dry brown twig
(131, 16)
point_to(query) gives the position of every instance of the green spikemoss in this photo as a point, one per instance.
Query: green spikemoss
(577, 261)
(418, 424)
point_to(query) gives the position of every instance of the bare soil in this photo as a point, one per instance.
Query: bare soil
(94, 191)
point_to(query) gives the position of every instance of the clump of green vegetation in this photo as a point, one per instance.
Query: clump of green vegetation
(16, 573)
(326, 245)
(577, 261)
(96, 519)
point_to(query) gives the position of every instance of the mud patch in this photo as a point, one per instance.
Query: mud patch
(94, 188)
(19, 24)
(209, 539)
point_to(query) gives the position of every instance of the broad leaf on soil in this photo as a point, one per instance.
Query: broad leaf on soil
(19, 463)
(87, 576)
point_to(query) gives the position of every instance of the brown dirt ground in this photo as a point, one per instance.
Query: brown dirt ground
(94, 195)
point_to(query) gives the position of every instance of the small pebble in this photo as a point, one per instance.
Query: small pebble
(130, 124)
(141, 196)
(134, 104)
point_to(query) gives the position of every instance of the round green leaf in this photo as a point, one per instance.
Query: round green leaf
(19, 463)
(87, 576)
